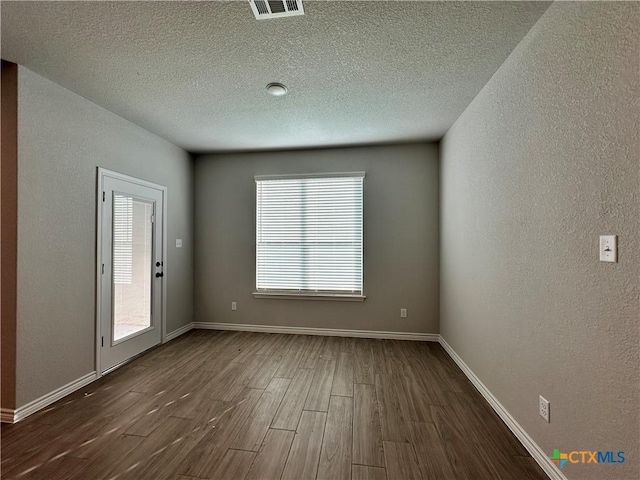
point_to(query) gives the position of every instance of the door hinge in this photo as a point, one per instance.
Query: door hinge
(103, 268)
(102, 341)
(153, 218)
(103, 196)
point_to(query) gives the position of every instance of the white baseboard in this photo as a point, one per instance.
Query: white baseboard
(13, 416)
(327, 332)
(550, 468)
(176, 333)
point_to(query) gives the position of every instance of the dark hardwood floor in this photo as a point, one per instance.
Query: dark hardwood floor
(235, 405)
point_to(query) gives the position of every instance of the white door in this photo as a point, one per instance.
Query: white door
(130, 268)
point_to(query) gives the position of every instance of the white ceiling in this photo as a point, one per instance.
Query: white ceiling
(195, 72)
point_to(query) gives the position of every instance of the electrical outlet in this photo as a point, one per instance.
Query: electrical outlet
(234, 306)
(403, 313)
(544, 408)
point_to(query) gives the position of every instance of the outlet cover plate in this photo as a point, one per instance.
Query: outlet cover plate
(544, 408)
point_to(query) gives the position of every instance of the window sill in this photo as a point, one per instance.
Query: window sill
(336, 297)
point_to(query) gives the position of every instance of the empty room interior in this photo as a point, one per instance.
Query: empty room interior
(333, 240)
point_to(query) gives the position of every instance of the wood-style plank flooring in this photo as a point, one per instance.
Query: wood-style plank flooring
(237, 405)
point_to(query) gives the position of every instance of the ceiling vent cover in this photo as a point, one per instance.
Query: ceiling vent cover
(276, 8)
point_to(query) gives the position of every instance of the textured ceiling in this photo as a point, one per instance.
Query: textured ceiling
(195, 72)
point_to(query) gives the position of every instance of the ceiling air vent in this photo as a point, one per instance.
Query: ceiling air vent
(276, 8)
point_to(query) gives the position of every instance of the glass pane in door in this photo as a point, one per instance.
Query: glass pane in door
(132, 257)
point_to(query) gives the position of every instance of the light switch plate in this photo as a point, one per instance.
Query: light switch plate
(178, 243)
(608, 248)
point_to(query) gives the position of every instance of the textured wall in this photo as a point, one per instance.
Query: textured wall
(400, 239)
(543, 161)
(62, 139)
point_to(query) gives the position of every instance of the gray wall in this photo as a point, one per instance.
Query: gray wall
(400, 239)
(542, 162)
(62, 139)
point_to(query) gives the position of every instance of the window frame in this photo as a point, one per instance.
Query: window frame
(308, 295)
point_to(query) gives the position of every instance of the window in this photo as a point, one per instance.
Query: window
(309, 236)
(122, 239)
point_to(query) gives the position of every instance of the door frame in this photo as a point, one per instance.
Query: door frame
(101, 174)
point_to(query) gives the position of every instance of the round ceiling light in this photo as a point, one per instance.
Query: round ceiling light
(277, 89)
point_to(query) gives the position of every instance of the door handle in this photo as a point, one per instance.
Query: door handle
(159, 274)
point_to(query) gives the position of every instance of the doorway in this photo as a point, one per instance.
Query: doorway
(130, 268)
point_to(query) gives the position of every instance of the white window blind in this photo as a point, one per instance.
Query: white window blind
(309, 234)
(122, 239)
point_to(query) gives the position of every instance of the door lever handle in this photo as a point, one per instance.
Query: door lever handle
(159, 274)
